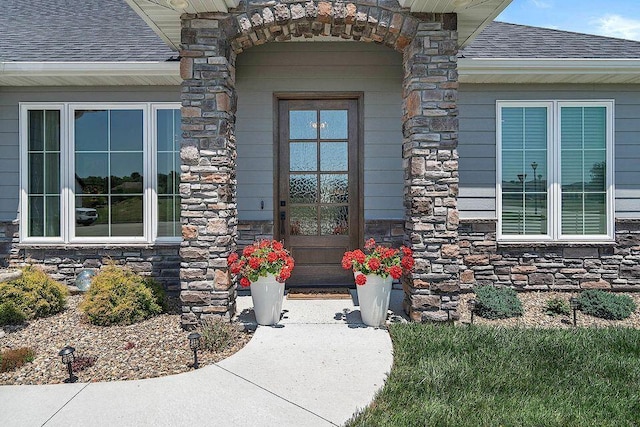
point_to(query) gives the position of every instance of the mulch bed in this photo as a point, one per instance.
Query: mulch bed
(153, 348)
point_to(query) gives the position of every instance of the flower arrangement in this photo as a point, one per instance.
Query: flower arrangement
(378, 260)
(262, 258)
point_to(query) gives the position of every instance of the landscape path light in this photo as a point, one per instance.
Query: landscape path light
(574, 302)
(472, 307)
(194, 344)
(67, 358)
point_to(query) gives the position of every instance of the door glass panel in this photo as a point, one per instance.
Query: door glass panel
(304, 221)
(334, 220)
(303, 124)
(334, 156)
(334, 188)
(303, 156)
(333, 124)
(303, 188)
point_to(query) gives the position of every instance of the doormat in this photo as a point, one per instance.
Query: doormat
(319, 293)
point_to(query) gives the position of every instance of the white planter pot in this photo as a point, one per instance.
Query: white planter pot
(373, 297)
(267, 294)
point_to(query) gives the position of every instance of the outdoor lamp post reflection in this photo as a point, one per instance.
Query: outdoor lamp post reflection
(194, 344)
(67, 358)
(472, 308)
(575, 304)
(534, 166)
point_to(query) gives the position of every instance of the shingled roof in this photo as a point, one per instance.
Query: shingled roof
(77, 30)
(503, 40)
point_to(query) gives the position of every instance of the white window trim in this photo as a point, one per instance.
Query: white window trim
(554, 193)
(67, 168)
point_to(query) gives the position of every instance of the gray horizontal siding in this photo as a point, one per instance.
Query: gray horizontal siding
(477, 147)
(10, 97)
(310, 67)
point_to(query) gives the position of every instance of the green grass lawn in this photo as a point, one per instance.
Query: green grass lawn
(485, 376)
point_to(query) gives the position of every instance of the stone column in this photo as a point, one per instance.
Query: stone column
(430, 131)
(208, 178)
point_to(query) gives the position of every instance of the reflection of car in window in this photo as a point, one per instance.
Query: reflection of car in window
(86, 216)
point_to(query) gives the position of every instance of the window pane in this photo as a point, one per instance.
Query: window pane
(512, 213)
(595, 127)
(334, 188)
(334, 156)
(165, 129)
(572, 213)
(333, 124)
(303, 156)
(52, 173)
(334, 220)
(166, 173)
(595, 215)
(91, 130)
(126, 216)
(513, 175)
(52, 217)
(126, 173)
(36, 216)
(52, 130)
(303, 188)
(304, 220)
(126, 130)
(303, 124)
(512, 128)
(36, 173)
(92, 216)
(92, 173)
(36, 130)
(168, 163)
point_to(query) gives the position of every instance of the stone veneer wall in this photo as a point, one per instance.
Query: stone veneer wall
(430, 155)
(548, 266)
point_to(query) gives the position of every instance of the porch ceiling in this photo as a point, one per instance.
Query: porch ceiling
(164, 19)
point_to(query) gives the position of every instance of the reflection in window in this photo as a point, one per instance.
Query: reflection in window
(43, 153)
(109, 173)
(169, 135)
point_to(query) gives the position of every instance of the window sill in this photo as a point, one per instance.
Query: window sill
(556, 243)
(71, 246)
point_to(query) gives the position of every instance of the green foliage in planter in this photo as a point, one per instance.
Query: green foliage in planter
(15, 358)
(118, 296)
(33, 295)
(497, 303)
(556, 305)
(606, 305)
(218, 334)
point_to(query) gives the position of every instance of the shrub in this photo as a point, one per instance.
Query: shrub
(218, 334)
(497, 303)
(606, 305)
(10, 314)
(33, 295)
(555, 306)
(118, 296)
(13, 359)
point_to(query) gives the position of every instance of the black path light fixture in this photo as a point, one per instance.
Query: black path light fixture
(194, 344)
(67, 358)
(472, 307)
(574, 302)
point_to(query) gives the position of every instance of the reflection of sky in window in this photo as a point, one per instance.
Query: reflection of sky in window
(126, 130)
(91, 130)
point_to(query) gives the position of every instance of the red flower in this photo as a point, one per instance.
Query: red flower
(359, 256)
(406, 251)
(361, 279)
(232, 258)
(407, 262)
(263, 244)
(370, 244)
(272, 257)
(373, 264)
(236, 267)
(248, 251)
(347, 260)
(255, 263)
(244, 282)
(277, 246)
(395, 272)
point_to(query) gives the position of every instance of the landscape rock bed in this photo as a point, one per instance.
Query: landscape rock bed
(534, 304)
(160, 347)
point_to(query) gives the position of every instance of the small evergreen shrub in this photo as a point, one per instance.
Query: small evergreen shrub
(497, 303)
(10, 314)
(15, 358)
(118, 296)
(218, 334)
(606, 305)
(556, 305)
(31, 296)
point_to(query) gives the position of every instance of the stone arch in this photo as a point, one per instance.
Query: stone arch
(349, 21)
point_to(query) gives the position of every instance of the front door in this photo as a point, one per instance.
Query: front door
(319, 203)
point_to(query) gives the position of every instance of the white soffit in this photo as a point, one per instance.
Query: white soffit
(473, 15)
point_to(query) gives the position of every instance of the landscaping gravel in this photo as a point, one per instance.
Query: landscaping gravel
(534, 304)
(153, 348)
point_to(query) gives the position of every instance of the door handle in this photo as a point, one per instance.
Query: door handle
(283, 217)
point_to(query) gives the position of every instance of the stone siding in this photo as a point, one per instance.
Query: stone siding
(549, 266)
(8, 232)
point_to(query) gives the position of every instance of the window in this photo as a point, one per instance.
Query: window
(555, 170)
(100, 173)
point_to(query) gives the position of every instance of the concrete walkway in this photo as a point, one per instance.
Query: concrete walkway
(316, 368)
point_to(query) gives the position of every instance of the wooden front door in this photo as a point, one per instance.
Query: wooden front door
(319, 203)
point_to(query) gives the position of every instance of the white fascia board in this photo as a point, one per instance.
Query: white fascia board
(43, 69)
(537, 66)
